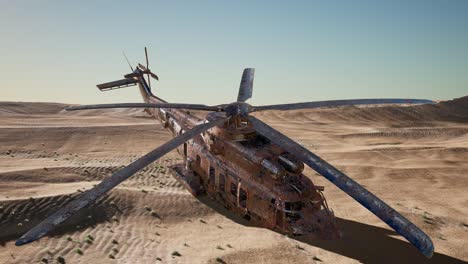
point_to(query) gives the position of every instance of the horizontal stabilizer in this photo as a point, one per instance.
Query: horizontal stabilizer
(117, 84)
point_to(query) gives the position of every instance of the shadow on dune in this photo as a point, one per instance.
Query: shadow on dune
(362, 242)
(371, 244)
(12, 226)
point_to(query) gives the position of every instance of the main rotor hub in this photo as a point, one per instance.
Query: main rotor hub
(238, 109)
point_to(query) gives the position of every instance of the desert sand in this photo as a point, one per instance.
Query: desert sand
(413, 157)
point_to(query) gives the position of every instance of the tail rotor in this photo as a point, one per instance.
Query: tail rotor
(147, 70)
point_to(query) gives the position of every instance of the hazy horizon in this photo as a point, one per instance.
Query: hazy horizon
(53, 51)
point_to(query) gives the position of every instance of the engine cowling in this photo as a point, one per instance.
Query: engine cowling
(290, 163)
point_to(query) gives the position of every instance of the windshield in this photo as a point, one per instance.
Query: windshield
(293, 206)
(292, 210)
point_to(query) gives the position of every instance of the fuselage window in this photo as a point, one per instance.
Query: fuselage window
(222, 182)
(234, 189)
(292, 217)
(242, 198)
(212, 175)
(273, 203)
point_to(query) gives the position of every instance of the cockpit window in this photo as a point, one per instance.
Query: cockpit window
(292, 210)
(242, 198)
(293, 206)
(293, 217)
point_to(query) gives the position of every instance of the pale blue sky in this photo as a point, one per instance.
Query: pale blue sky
(302, 50)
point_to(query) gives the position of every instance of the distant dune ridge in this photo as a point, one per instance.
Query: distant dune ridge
(413, 157)
(455, 110)
(30, 108)
(40, 108)
(451, 110)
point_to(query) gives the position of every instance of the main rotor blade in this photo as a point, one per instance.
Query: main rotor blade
(146, 105)
(335, 103)
(246, 85)
(91, 195)
(389, 215)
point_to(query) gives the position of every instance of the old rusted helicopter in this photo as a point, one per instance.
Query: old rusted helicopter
(244, 164)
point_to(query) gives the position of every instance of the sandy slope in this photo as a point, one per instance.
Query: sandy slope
(415, 158)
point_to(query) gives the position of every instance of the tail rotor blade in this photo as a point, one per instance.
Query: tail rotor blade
(106, 185)
(153, 75)
(382, 210)
(147, 66)
(336, 103)
(148, 71)
(142, 67)
(147, 105)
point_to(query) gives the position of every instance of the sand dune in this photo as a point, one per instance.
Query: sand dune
(413, 157)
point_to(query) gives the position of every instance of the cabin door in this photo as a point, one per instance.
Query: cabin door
(185, 156)
(279, 214)
(241, 197)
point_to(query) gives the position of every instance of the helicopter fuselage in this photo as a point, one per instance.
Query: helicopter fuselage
(248, 175)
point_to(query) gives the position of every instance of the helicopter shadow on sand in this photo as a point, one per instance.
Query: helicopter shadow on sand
(362, 242)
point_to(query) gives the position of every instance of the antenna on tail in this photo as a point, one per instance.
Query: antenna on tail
(123, 52)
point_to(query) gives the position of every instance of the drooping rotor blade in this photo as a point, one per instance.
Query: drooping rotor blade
(147, 105)
(145, 70)
(335, 103)
(386, 213)
(91, 195)
(147, 66)
(246, 85)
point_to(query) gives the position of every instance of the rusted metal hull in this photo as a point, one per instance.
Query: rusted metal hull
(245, 175)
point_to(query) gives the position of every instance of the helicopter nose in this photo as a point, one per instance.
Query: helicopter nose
(331, 233)
(318, 225)
(329, 228)
(309, 232)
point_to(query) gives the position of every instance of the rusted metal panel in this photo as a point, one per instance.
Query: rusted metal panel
(187, 178)
(258, 173)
